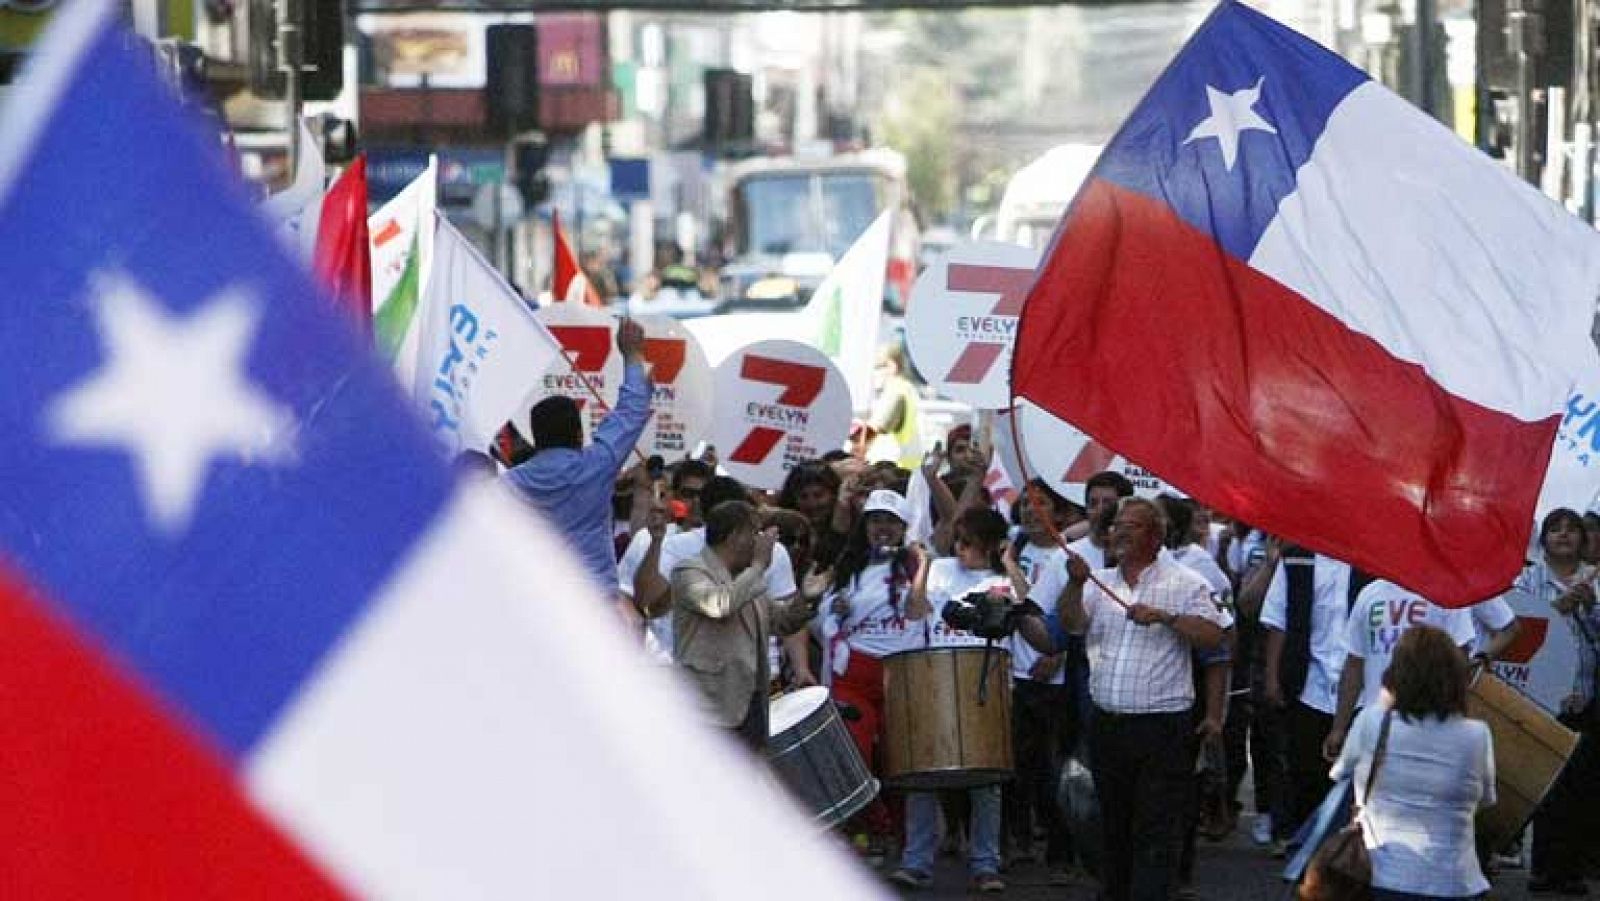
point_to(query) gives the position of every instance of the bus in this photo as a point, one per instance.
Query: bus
(789, 219)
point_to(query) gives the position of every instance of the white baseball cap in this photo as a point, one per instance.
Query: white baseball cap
(886, 501)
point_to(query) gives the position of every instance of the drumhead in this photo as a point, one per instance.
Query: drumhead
(793, 707)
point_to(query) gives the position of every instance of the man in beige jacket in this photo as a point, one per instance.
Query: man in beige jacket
(722, 619)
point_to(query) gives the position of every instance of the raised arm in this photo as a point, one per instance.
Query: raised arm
(620, 430)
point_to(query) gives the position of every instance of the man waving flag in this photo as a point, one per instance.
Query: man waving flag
(254, 642)
(1303, 301)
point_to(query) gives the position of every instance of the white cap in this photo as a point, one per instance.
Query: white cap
(886, 501)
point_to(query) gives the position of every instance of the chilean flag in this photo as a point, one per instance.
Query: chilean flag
(1301, 300)
(241, 654)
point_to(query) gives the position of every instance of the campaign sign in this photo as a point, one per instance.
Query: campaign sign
(588, 340)
(779, 403)
(682, 398)
(962, 320)
(1065, 457)
(1543, 660)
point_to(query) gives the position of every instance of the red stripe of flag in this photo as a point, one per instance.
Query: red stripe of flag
(106, 796)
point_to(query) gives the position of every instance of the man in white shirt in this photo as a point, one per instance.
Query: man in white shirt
(1307, 603)
(689, 478)
(1142, 685)
(1044, 713)
(1382, 613)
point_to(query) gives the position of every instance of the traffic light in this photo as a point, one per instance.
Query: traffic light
(321, 48)
(529, 156)
(730, 111)
(511, 88)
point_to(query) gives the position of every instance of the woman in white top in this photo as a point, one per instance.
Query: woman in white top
(863, 619)
(983, 562)
(1437, 770)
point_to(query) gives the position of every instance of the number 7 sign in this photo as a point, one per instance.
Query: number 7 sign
(778, 403)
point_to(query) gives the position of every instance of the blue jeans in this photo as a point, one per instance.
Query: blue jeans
(922, 831)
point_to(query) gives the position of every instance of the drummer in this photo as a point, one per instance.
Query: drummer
(983, 562)
(863, 619)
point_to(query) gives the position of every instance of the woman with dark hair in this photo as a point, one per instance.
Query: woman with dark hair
(1437, 769)
(1562, 582)
(863, 619)
(812, 490)
(983, 562)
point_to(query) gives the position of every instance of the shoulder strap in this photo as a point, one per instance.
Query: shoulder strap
(1377, 757)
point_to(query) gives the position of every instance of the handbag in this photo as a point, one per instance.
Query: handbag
(1341, 869)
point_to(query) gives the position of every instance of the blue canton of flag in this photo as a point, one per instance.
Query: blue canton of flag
(188, 431)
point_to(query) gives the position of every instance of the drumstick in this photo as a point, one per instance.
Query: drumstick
(1044, 515)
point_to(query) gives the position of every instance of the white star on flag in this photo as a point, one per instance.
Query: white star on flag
(173, 392)
(1231, 115)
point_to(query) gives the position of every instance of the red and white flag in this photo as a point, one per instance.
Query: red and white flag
(569, 283)
(1294, 296)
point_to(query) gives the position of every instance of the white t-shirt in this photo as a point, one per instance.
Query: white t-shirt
(1083, 547)
(1245, 552)
(1205, 566)
(1419, 822)
(627, 568)
(1330, 608)
(1037, 562)
(1382, 613)
(677, 548)
(1489, 617)
(875, 627)
(948, 580)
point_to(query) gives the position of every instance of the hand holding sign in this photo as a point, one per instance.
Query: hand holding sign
(630, 340)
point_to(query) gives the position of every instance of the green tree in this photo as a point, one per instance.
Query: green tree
(920, 120)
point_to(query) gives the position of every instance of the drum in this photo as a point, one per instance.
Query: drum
(938, 734)
(1530, 750)
(812, 754)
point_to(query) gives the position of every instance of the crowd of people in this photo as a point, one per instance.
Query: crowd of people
(1141, 626)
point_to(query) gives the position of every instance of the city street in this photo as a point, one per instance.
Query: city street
(1232, 870)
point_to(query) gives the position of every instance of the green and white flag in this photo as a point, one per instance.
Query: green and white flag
(402, 257)
(843, 316)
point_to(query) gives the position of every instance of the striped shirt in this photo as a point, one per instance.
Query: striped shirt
(1144, 669)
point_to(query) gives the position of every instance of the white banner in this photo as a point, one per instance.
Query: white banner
(682, 402)
(480, 347)
(962, 320)
(592, 364)
(401, 234)
(779, 403)
(846, 310)
(296, 211)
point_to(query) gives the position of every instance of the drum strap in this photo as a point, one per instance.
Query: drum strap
(1299, 565)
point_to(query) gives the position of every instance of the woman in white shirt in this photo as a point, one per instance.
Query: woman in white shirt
(982, 562)
(863, 619)
(1437, 770)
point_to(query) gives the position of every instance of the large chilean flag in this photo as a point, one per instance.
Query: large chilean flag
(242, 655)
(1303, 301)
